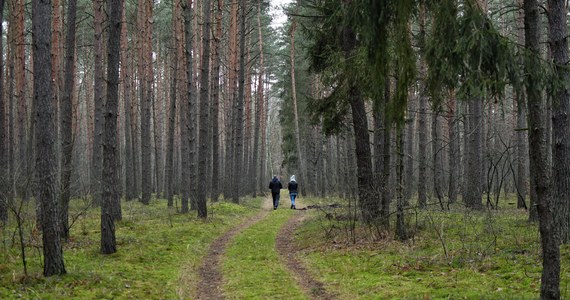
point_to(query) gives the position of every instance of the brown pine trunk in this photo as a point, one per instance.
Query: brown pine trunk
(44, 122)
(422, 122)
(453, 148)
(186, 111)
(20, 98)
(67, 117)
(110, 183)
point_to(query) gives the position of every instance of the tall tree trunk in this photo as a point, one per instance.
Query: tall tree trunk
(169, 169)
(539, 166)
(258, 107)
(422, 122)
(126, 71)
(215, 98)
(558, 41)
(145, 74)
(110, 171)
(238, 118)
(67, 117)
(231, 100)
(521, 134)
(186, 110)
(99, 102)
(300, 154)
(4, 190)
(20, 95)
(204, 141)
(46, 168)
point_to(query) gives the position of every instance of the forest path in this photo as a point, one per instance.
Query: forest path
(210, 286)
(288, 252)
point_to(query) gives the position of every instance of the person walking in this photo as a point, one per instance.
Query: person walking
(292, 187)
(275, 186)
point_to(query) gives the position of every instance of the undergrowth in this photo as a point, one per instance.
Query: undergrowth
(159, 251)
(456, 254)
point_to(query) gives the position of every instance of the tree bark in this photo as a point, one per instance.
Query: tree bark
(204, 140)
(558, 40)
(215, 108)
(4, 191)
(98, 89)
(186, 111)
(437, 154)
(238, 118)
(473, 190)
(44, 121)
(539, 167)
(145, 74)
(110, 171)
(454, 161)
(368, 203)
(67, 117)
(126, 71)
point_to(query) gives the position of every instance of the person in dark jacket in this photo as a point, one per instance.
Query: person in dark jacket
(275, 186)
(292, 187)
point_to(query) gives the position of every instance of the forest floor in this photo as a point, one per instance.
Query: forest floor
(250, 251)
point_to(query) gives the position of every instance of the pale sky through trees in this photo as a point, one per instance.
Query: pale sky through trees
(279, 18)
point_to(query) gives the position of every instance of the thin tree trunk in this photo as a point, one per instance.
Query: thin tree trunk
(204, 141)
(238, 118)
(126, 71)
(437, 152)
(67, 117)
(99, 101)
(215, 108)
(186, 110)
(4, 190)
(20, 97)
(146, 98)
(409, 178)
(401, 232)
(169, 170)
(110, 182)
(46, 168)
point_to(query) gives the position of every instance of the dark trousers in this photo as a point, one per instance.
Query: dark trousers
(275, 199)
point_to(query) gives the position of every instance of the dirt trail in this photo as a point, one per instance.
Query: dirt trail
(288, 251)
(210, 286)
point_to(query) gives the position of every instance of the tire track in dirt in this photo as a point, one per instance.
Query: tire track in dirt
(211, 280)
(288, 251)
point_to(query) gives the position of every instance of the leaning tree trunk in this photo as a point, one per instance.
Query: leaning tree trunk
(539, 166)
(67, 117)
(204, 141)
(44, 122)
(111, 181)
(368, 203)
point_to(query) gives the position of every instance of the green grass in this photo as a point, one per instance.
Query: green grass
(488, 255)
(252, 267)
(158, 254)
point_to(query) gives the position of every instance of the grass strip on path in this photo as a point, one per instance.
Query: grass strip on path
(252, 268)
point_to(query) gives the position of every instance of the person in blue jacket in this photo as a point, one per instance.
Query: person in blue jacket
(292, 187)
(275, 186)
